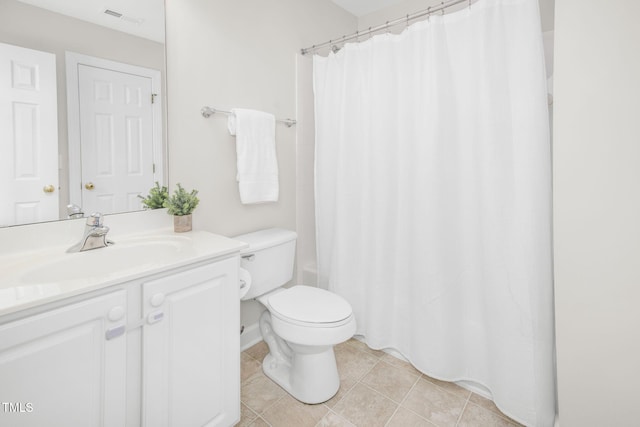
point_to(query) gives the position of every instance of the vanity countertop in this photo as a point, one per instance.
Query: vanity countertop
(40, 276)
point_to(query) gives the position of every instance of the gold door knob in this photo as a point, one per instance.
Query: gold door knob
(89, 186)
(49, 189)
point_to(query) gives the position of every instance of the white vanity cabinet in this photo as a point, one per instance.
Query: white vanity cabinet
(191, 346)
(66, 364)
(154, 350)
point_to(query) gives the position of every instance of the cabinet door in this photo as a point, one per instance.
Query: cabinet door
(65, 367)
(191, 348)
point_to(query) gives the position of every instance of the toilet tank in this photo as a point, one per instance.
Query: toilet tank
(268, 259)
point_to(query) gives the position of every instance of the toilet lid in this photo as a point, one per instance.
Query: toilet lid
(310, 305)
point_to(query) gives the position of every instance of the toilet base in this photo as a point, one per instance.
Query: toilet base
(308, 373)
(310, 377)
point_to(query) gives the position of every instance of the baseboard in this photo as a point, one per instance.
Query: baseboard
(250, 336)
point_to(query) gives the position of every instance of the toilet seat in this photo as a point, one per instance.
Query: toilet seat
(311, 307)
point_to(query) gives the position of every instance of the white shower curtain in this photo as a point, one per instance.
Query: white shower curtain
(433, 194)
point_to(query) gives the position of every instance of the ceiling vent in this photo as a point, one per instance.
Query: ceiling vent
(123, 17)
(112, 13)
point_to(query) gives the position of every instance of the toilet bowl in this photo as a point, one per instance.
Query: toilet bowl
(301, 324)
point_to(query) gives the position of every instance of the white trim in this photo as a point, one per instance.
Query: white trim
(250, 336)
(73, 60)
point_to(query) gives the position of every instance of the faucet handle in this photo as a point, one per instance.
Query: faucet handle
(74, 211)
(95, 220)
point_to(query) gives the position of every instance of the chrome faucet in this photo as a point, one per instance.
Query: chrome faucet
(74, 211)
(95, 235)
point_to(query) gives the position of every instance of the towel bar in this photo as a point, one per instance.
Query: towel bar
(208, 112)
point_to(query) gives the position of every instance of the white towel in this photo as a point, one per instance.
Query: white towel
(255, 133)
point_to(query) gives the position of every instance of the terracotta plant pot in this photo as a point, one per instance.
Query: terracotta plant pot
(181, 223)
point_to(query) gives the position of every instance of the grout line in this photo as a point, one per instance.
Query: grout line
(498, 413)
(337, 415)
(392, 415)
(405, 399)
(275, 402)
(369, 370)
(340, 400)
(263, 420)
(402, 400)
(250, 410)
(464, 408)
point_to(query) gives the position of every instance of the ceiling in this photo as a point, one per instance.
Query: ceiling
(145, 18)
(364, 7)
(142, 18)
(360, 8)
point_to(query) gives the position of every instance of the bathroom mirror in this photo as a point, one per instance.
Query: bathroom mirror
(82, 93)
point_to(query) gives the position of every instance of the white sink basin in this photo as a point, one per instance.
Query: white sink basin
(37, 277)
(120, 258)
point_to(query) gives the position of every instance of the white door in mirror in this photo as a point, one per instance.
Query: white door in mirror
(116, 125)
(28, 136)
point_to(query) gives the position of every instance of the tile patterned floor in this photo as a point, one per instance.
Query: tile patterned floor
(376, 389)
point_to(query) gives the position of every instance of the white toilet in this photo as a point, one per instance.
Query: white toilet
(301, 324)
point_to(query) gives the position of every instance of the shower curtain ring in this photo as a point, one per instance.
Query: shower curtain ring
(442, 8)
(429, 14)
(407, 20)
(386, 28)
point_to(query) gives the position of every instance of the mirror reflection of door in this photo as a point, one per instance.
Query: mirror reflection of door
(115, 107)
(28, 136)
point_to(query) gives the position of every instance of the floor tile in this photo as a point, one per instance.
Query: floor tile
(359, 345)
(259, 422)
(372, 383)
(247, 416)
(488, 404)
(249, 367)
(260, 393)
(258, 351)
(399, 363)
(449, 386)
(434, 404)
(353, 363)
(364, 407)
(391, 381)
(405, 418)
(333, 420)
(346, 384)
(476, 416)
(288, 412)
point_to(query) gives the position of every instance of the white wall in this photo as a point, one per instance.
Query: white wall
(305, 192)
(228, 54)
(597, 211)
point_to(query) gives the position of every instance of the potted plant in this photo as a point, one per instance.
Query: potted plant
(181, 204)
(156, 198)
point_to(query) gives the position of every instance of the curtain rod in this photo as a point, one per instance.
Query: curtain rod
(426, 12)
(208, 112)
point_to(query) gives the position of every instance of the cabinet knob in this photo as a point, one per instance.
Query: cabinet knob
(116, 313)
(89, 186)
(49, 189)
(157, 300)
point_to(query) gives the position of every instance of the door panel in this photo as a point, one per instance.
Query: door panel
(116, 134)
(61, 369)
(28, 136)
(191, 369)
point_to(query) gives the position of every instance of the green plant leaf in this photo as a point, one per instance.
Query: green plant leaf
(182, 202)
(156, 198)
